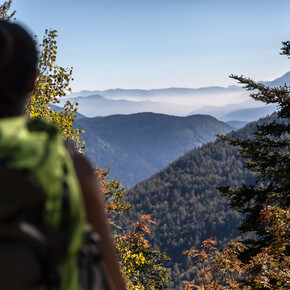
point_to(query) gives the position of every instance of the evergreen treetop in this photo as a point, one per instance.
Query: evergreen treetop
(266, 154)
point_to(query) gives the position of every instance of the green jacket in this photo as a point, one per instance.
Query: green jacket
(47, 157)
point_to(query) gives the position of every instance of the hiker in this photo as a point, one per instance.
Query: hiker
(47, 197)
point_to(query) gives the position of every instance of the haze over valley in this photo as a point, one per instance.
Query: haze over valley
(226, 104)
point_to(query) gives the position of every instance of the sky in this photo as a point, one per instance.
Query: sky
(149, 44)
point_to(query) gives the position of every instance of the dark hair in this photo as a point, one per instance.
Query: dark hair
(18, 63)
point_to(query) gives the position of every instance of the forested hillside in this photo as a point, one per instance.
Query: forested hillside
(183, 199)
(139, 145)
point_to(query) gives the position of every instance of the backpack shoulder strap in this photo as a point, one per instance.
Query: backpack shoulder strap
(37, 125)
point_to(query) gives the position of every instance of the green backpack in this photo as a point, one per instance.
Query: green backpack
(44, 241)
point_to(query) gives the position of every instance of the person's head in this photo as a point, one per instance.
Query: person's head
(18, 67)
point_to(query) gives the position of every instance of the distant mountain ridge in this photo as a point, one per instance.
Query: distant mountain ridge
(250, 114)
(117, 93)
(97, 105)
(138, 145)
(172, 101)
(113, 93)
(281, 81)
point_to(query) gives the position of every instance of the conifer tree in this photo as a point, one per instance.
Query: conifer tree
(266, 154)
(261, 261)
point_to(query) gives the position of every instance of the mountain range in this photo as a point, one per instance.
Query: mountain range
(249, 114)
(153, 93)
(175, 101)
(97, 105)
(183, 200)
(171, 101)
(138, 145)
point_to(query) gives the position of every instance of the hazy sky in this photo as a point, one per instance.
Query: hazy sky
(163, 43)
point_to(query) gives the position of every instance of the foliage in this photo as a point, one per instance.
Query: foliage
(4, 10)
(52, 83)
(286, 48)
(267, 155)
(269, 269)
(218, 267)
(114, 194)
(141, 264)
